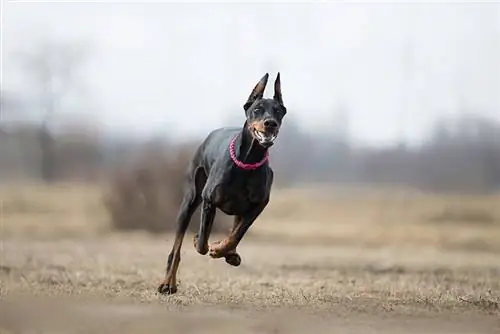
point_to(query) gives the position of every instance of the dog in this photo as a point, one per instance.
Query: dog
(229, 171)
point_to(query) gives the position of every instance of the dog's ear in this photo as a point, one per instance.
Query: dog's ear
(257, 92)
(277, 90)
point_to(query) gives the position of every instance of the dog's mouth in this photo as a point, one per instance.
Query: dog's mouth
(265, 139)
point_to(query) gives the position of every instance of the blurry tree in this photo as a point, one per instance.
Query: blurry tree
(463, 153)
(336, 161)
(52, 68)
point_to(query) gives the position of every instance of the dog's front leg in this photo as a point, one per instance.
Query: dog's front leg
(227, 247)
(207, 220)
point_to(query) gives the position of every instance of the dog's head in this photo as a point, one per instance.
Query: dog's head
(264, 116)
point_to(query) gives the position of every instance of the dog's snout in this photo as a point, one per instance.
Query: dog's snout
(269, 123)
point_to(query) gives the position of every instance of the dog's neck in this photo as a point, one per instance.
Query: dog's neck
(250, 151)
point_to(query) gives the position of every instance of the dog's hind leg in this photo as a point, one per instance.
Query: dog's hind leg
(190, 202)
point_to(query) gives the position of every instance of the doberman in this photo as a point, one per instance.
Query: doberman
(229, 171)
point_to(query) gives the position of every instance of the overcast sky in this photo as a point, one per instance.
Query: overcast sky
(187, 68)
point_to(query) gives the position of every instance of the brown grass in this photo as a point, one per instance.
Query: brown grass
(362, 260)
(385, 217)
(358, 217)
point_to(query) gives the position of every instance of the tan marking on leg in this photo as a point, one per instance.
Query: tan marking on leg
(169, 285)
(176, 260)
(223, 247)
(227, 247)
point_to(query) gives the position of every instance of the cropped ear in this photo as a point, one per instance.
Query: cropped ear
(257, 92)
(277, 90)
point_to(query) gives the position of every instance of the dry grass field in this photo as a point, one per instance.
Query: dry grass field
(330, 260)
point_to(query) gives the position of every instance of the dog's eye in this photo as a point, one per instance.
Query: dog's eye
(280, 111)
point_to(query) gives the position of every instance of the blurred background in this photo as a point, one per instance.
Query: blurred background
(387, 167)
(109, 100)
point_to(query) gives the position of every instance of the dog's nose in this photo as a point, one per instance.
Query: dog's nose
(269, 123)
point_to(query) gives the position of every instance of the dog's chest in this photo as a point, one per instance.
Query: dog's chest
(239, 194)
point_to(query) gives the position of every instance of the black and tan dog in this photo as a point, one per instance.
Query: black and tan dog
(229, 171)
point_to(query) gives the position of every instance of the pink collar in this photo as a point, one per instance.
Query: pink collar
(241, 164)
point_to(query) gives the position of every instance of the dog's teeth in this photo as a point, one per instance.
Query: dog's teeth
(261, 136)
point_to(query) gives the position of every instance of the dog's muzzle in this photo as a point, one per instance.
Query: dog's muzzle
(264, 138)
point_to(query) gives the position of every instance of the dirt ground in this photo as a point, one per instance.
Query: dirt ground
(376, 265)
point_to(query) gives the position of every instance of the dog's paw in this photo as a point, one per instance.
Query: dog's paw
(215, 250)
(233, 259)
(167, 288)
(219, 249)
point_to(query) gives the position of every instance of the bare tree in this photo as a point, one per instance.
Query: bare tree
(52, 68)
